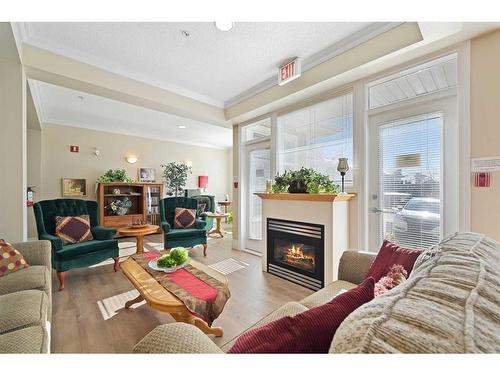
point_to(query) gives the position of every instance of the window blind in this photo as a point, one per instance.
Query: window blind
(410, 180)
(317, 136)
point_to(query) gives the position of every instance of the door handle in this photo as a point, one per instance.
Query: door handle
(376, 210)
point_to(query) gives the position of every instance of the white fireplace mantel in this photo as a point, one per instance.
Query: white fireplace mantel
(329, 210)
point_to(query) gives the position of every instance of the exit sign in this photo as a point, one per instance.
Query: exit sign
(289, 72)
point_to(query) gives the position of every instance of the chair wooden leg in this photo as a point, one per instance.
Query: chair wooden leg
(61, 276)
(205, 246)
(117, 263)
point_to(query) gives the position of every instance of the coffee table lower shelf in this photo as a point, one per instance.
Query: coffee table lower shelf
(158, 298)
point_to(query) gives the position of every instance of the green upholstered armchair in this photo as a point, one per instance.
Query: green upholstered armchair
(188, 237)
(83, 254)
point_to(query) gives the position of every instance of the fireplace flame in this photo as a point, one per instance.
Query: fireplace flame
(295, 254)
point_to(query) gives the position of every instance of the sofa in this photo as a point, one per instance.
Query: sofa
(449, 304)
(26, 302)
(103, 246)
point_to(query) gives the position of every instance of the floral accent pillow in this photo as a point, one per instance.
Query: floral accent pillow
(396, 275)
(11, 260)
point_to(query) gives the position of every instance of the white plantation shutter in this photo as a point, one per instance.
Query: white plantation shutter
(410, 169)
(316, 136)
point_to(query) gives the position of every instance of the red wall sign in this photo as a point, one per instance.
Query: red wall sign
(74, 148)
(289, 72)
(482, 179)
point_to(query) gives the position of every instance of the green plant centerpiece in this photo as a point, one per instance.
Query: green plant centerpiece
(175, 176)
(115, 175)
(305, 180)
(177, 257)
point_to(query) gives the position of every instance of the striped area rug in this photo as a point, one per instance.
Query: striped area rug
(228, 266)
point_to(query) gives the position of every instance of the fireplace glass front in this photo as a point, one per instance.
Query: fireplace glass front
(295, 252)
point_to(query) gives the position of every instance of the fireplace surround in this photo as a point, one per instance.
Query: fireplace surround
(295, 252)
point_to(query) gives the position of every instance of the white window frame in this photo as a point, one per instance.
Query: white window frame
(462, 92)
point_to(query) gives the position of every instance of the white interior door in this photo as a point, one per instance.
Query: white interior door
(413, 196)
(259, 171)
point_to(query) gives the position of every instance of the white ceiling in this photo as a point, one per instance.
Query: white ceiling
(210, 65)
(64, 106)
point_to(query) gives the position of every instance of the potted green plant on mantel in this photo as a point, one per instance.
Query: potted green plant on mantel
(175, 176)
(305, 181)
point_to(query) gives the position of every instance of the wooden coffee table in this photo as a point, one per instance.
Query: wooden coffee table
(139, 234)
(218, 228)
(159, 298)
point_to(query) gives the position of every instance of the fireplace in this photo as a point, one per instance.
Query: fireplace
(295, 252)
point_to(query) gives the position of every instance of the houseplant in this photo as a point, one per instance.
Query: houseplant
(175, 176)
(305, 180)
(115, 175)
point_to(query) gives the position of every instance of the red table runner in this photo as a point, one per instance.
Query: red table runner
(202, 294)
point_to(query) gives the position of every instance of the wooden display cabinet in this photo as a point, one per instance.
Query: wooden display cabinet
(144, 198)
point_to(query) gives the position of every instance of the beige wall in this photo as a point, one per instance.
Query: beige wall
(12, 140)
(485, 129)
(58, 162)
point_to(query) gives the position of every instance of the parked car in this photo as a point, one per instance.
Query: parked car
(417, 225)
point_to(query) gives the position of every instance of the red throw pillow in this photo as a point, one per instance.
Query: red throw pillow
(389, 255)
(308, 332)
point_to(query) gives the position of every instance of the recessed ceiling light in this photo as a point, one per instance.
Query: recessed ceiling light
(224, 25)
(182, 127)
(80, 97)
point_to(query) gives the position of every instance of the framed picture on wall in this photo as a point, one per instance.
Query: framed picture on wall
(74, 187)
(147, 175)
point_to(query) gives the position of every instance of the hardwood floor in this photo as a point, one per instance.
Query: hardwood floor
(81, 324)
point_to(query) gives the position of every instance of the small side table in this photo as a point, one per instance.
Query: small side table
(225, 204)
(139, 234)
(218, 219)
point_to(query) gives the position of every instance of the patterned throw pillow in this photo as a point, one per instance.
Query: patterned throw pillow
(184, 217)
(73, 229)
(11, 260)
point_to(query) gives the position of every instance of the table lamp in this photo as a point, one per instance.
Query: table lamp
(203, 182)
(343, 167)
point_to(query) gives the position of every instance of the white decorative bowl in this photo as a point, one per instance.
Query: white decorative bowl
(154, 265)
